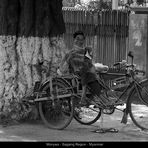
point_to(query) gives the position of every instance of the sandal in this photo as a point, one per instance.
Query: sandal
(105, 130)
(99, 131)
(112, 130)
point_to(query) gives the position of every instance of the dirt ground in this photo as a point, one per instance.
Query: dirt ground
(75, 132)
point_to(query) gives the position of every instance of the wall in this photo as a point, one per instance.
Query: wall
(138, 39)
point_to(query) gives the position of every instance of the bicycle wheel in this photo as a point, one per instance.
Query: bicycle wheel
(87, 115)
(138, 106)
(57, 113)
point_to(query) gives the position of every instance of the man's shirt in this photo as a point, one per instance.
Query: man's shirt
(76, 62)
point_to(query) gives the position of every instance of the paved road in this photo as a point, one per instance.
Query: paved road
(38, 132)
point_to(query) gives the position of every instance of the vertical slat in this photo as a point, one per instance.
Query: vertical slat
(109, 47)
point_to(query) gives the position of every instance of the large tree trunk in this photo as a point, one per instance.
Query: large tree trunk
(28, 34)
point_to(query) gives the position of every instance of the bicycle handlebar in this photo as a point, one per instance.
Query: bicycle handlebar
(123, 64)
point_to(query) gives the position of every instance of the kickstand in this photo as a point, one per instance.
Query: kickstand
(125, 115)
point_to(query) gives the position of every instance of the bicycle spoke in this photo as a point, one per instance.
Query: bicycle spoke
(57, 113)
(87, 115)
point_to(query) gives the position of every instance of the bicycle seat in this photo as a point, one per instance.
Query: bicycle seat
(100, 67)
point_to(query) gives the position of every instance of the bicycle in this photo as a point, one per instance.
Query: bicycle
(50, 96)
(137, 98)
(58, 97)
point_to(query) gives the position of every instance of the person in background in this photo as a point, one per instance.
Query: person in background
(79, 61)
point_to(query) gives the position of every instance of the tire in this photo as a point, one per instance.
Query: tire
(87, 115)
(138, 106)
(60, 115)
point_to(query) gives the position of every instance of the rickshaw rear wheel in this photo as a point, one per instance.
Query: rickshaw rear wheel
(57, 113)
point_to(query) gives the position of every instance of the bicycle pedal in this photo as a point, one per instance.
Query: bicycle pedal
(31, 101)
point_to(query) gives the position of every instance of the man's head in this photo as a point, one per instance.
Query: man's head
(79, 38)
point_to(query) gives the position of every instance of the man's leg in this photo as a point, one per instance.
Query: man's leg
(95, 87)
(83, 97)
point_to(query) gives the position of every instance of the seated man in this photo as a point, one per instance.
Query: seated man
(79, 60)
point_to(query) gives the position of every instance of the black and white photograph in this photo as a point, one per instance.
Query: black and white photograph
(74, 72)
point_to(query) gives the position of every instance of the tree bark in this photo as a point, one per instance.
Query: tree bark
(28, 34)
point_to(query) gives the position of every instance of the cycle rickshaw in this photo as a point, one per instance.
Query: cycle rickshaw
(58, 99)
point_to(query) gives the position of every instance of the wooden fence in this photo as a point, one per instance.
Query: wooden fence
(106, 32)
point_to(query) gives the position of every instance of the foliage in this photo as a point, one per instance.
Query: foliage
(98, 5)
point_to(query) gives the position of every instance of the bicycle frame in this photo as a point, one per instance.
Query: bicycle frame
(73, 83)
(68, 80)
(53, 96)
(133, 86)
